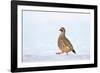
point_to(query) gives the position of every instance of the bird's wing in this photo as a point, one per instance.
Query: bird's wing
(63, 44)
(66, 42)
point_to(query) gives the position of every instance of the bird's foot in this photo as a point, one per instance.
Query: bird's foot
(66, 53)
(59, 52)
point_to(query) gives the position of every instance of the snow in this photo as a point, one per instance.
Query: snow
(52, 56)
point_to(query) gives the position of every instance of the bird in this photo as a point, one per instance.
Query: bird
(64, 43)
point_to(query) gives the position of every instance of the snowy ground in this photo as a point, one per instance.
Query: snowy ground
(40, 36)
(52, 56)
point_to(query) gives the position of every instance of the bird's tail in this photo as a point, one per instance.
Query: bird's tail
(74, 51)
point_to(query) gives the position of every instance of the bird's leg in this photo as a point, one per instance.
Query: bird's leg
(67, 53)
(60, 52)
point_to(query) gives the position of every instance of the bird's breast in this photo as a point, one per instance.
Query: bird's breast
(60, 41)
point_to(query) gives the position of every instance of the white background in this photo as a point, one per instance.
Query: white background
(42, 47)
(5, 36)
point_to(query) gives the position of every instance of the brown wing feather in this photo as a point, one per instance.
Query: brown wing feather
(67, 43)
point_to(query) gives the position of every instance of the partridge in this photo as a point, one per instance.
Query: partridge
(63, 43)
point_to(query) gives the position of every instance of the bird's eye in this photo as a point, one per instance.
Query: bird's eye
(62, 30)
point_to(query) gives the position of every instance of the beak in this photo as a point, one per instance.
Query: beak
(60, 30)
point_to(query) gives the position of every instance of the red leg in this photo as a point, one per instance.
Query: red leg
(59, 52)
(67, 53)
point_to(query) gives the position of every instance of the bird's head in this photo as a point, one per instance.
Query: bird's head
(62, 29)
